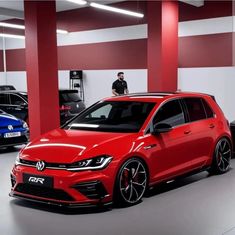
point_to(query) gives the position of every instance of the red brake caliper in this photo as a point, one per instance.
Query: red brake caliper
(125, 177)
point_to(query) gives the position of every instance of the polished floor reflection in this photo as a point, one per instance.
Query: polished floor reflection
(191, 206)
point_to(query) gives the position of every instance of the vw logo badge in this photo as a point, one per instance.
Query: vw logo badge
(10, 127)
(40, 165)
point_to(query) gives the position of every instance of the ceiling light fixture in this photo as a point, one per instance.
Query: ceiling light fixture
(14, 26)
(6, 35)
(80, 2)
(18, 26)
(62, 31)
(117, 10)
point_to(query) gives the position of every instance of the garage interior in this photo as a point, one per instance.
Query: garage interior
(201, 48)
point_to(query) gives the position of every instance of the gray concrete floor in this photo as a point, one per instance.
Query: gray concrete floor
(196, 205)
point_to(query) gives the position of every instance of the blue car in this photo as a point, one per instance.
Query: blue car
(13, 131)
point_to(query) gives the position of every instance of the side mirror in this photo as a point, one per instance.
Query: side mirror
(161, 128)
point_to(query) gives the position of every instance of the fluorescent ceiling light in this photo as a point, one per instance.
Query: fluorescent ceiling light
(18, 26)
(80, 2)
(6, 35)
(117, 10)
(14, 26)
(62, 31)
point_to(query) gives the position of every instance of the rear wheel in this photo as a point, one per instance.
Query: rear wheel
(222, 157)
(131, 182)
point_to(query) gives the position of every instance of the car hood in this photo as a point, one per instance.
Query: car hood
(7, 119)
(67, 146)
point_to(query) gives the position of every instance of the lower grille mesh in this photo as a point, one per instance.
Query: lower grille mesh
(44, 192)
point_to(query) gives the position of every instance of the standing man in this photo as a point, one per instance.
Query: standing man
(119, 87)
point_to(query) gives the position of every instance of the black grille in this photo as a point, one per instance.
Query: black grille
(14, 127)
(13, 181)
(48, 164)
(92, 190)
(44, 192)
(14, 140)
(31, 163)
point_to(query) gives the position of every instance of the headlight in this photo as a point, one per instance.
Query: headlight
(25, 125)
(95, 163)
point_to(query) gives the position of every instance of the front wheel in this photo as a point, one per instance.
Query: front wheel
(131, 183)
(222, 157)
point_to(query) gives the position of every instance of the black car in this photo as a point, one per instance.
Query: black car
(232, 129)
(70, 104)
(16, 103)
(7, 87)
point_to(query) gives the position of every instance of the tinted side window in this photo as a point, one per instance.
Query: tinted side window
(195, 108)
(3, 99)
(209, 111)
(170, 113)
(16, 100)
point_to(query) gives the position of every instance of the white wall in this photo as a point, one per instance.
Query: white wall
(219, 81)
(97, 83)
(17, 79)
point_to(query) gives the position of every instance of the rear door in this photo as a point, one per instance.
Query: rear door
(201, 119)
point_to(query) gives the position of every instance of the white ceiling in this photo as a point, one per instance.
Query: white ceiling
(15, 8)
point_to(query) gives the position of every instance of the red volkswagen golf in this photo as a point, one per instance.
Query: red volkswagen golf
(114, 150)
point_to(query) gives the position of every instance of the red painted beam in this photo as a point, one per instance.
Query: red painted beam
(162, 48)
(41, 66)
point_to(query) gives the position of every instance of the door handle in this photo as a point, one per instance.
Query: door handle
(187, 132)
(211, 126)
(150, 146)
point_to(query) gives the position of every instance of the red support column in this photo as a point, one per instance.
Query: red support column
(162, 45)
(41, 66)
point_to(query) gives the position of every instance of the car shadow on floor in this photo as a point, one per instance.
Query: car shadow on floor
(57, 209)
(176, 184)
(153, 191)
(10, 149)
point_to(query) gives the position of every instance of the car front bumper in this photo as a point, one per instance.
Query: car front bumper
(70, 189)
(7, 142)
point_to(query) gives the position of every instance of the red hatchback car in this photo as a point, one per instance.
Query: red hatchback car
(114, 150)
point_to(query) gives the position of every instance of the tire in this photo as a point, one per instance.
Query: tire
(131, 183)
(222, 156)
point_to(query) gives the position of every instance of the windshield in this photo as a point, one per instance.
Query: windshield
(113, 116)
(25, 96)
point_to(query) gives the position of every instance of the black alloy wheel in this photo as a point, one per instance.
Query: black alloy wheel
(131, 182)
(222, 157)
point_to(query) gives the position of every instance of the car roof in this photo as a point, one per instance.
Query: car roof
(15, 92)
(25, 93)
(156, 96)
(68, 91)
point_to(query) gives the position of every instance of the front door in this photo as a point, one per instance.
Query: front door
(172, 154)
